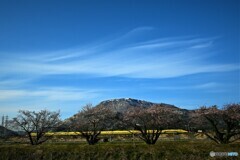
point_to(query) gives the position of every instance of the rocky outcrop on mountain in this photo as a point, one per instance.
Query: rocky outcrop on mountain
(123, 104)
(119, 106)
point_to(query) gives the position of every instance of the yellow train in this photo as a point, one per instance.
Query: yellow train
(115, 132)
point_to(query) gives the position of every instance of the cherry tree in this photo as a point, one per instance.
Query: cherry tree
(90, 121)
(38, 123)
(151, 121)
(220, 125)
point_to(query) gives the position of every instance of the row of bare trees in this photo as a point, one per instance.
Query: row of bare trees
(220, 125)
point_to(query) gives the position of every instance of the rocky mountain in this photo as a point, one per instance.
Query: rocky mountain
(123, 104)
(119, 106)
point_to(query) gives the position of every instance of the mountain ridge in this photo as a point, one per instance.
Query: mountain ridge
(123, 104)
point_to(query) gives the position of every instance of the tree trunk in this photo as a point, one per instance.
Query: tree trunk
(30, 138)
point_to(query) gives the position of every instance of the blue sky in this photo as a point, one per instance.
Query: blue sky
(63, 54)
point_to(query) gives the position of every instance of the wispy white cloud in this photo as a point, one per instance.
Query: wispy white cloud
(11, 94)
(204, 86)
(8, 83)
(161, 58)
(211, 87)
(204, 45)
(48, 94)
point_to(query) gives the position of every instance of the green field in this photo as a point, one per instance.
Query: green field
(172, 144)
(167, 150)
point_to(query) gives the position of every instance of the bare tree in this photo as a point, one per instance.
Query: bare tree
(91, 121)
(151, 121)
(38, 123)
(220, 125)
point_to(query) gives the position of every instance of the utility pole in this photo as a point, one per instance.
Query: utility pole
(4, 125)
(6, 122)
(3, 120)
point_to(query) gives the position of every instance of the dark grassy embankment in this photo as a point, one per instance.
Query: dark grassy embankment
(76, 151)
